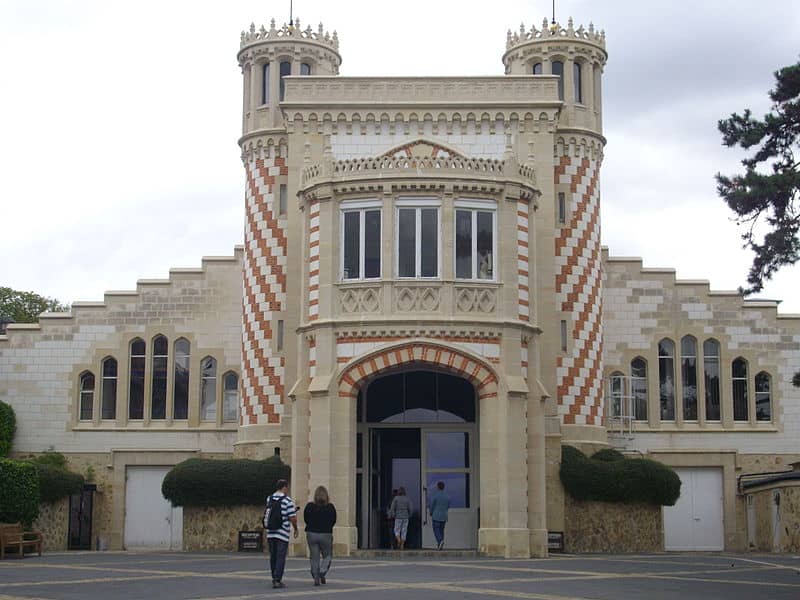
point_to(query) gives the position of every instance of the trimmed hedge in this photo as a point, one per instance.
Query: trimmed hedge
(19, 492)
(56, 483)
(8, 427)
(608, 455)
(628, 480)
(234, 482)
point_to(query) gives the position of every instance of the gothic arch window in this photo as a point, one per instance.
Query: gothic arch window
(711, 373)
(285, 69)
(577, 82)
(265, 84)
(689, 377)
(617, 380)
(739, 385)
(666, 379)
(763, 397)
(86, 396)
(136, 379)
(230, 397)
(537, 68)
(639, 388)
(158, 378)
(305, 69)
(208, 389)
(180, 384)
(108, 405)
(557, 68)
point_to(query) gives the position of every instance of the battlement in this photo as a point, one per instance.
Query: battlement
(289, 32)
(556, 33)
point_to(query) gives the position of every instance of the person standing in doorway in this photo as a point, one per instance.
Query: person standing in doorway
(401, 511)
(320, 517)
(439, 506)
(279, 514)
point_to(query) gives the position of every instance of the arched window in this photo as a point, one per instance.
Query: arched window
(108, 409)
(265, 84)
(136, 385)
(763, 398)
(711, 372)
(305, 69)
(617, 387)
(158, 383)
(577, 81)
(557, 68)
(180, 386)
(639, 388)
(666, 379)
(230, 400)
(689, 377)
(208, 389)
(86, 396)
(739, 381)
(537, 68)
(285, 69)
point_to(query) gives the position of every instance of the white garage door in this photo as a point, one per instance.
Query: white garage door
(151, 523)
(695, 522)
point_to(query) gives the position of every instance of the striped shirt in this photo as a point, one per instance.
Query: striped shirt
(288, 510)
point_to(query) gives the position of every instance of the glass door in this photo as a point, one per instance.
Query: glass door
(447, 458)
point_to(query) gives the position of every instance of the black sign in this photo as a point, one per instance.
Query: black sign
(555, 541)
(251, 541)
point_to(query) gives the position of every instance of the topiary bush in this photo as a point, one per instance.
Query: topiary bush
(8, 427)
(627, 480)
(56, 483)
(19, 492)
(608, 455)
(207, 482)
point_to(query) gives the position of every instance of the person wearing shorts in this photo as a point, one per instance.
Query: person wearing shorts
(401, 511)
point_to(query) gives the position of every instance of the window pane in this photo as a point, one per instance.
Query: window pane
(639, 388)
(464, 244)
(110, 367)
(159, 388)
(576, 82)
(108, 408)
(456, 399)
(180, 391)
(230, 409)
(305, 69)
(447, 450)
(666, 376)
(208, 389)
(86, 396)
(420, 397)
(136, 385)
(286, 69)
(372, 243)
(160, 346)
(558, 69)
(406, 242)
(711, 373)
(385, 400)
(763, 403)
(739, 371)
(456, 485)
(282, 199)
(689, 376)
(616, 385)
(265, 85)
(537, 68)
(485, 245)
(137, 347)
(430, 242)
(352, 259)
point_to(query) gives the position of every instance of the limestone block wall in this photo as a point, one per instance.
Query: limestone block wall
(777, 526)
(216, 529)
(40, 365)
(612, 528)
(53, 523)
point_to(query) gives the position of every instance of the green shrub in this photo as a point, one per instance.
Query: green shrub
(206, 482)
(56, 483)
(627, 480)
(19, 492)
(608, 455)
(8, 427)
(50, 458)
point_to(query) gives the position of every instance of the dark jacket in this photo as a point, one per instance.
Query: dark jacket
(319, 518)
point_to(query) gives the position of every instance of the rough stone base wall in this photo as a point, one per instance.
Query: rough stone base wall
(217, 528)
(788, 534)
(53, 522)
(613, 528)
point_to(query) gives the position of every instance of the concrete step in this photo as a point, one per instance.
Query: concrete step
(385, 554)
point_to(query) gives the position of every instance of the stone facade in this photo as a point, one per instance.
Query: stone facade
(603, 527)
(53, 523)
(216, 529)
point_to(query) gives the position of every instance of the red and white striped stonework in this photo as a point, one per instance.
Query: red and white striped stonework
(578, 294)
(313, 260)
(264, 292)
(312, 358)
(523, 270)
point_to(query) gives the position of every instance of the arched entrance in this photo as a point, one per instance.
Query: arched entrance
(417, 426)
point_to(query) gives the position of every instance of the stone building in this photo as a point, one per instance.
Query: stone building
(421, 297)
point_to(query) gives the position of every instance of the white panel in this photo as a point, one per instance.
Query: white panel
(150, 520)
(696, 521)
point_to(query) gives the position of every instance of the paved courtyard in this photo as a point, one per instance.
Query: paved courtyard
(120, 575)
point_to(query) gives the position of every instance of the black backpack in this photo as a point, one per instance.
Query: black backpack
(273, 515)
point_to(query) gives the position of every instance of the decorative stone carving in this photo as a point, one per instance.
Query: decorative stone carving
(360, 300)
(417, 299)
(475, 300)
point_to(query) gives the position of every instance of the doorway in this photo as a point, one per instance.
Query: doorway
(79, 536)
(420, 429)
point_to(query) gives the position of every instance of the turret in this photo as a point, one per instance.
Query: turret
(576, 56)
(266, 56)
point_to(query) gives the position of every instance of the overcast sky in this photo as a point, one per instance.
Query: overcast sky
(119, 121)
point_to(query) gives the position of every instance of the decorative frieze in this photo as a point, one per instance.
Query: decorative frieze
(417, 299)
(479, 300)
(354, 300)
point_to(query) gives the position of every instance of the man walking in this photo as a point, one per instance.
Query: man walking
(439, 505)
(280, 512)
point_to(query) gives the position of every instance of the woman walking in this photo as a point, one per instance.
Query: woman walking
(320, 517)
(401, 511)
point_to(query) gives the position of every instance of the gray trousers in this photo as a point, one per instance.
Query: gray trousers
(321, 547)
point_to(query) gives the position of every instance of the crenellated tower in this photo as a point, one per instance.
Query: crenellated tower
(571, 315)
(267, 57)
